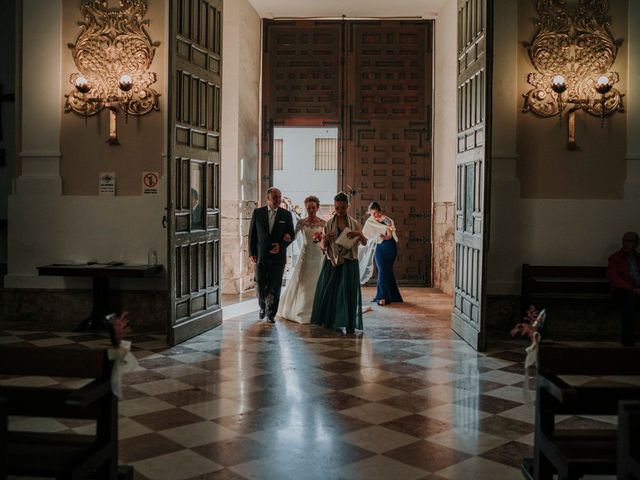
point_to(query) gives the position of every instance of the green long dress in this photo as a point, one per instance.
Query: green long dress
(338, 300)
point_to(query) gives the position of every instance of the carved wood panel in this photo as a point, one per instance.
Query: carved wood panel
(389, 133)
(302, 59)
(473, 142)
(194, 167)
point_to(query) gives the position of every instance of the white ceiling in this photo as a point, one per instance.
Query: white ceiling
(349, 8)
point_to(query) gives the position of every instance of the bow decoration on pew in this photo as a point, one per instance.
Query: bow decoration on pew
(532, 328)
(123, 359)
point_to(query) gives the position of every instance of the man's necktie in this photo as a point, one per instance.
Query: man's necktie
(272, 219)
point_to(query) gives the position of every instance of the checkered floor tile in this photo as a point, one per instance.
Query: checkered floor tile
(251, 400)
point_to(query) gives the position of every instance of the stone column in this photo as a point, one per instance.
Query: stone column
(240, 127)
(41, 107)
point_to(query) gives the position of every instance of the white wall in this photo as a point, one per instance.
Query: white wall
(299, 178)
(444, 147)
(444, 111)
(240, 101)
(241, 47)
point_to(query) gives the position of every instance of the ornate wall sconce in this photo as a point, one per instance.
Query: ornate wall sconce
(113, 53)
(573, 51)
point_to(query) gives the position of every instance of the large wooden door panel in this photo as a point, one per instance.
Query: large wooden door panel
(389, 166)
(194, 167)
(472, 159)
(390, 70)
(304, 70)
(389, 133)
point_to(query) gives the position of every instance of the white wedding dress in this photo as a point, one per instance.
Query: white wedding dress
(298, 297)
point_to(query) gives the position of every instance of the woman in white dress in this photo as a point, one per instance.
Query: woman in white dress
(298, 298)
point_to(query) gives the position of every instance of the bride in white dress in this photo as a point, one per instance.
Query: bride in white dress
(298, 298)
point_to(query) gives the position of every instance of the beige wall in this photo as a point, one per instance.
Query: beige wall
(240, 139)
(444, 141)
(547, 169)
(84, 151)
(49, 225)
(550, 205)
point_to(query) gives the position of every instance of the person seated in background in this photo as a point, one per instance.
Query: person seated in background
(624, 274)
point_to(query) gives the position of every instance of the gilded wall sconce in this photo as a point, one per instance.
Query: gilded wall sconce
(113, 53)
(573, 51)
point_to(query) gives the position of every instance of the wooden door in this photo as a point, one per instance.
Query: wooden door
(472, 167)
(388, 133)
(302, 80)
(372, 80)
(195, 64)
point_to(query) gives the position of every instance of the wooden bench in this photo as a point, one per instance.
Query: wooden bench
(577, 299)
(60, 455)
(574, 453)
(629, 440)
(4, 419)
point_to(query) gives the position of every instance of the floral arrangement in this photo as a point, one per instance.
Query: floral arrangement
(121, 326)
(123, 360)
(532, 323)
(531, 327)
(317, 236)
(118, 327)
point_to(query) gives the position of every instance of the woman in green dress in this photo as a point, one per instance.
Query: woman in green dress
(338, 301)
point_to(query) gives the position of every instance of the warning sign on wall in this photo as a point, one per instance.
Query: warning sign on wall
(107, 183)
(150, 181)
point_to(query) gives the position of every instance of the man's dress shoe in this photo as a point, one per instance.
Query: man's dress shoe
(272, 320)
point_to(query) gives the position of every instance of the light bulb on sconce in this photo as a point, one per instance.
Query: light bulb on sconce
(559, 84)
(82, 85)
(125, 83)
(603, 85)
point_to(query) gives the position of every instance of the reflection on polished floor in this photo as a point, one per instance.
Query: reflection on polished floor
(234, 298)
(406, 400)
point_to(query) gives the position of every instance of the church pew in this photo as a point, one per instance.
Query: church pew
(629, 441)
(61, 455)
(574, 453)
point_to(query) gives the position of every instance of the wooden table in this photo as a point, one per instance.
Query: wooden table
(100, 274)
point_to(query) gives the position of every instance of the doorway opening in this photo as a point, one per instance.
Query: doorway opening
(305, 162)
(372, 80)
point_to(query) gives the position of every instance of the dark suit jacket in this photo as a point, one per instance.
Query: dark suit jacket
(261, 241)
(618, 271)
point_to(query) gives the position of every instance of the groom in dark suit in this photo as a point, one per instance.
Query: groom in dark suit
(270, 234)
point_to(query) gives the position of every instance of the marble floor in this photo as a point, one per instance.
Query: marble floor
(252, 400)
